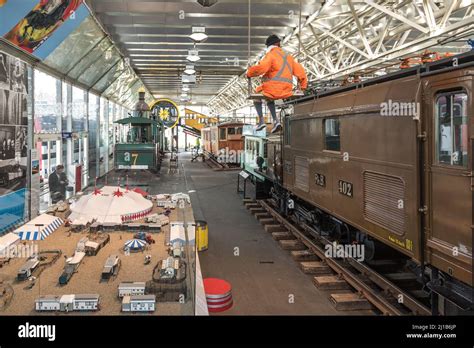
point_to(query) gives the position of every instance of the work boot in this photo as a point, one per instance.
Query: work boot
(260, 126)
(276, 127)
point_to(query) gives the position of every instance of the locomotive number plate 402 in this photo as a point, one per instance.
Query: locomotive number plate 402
(345, 188)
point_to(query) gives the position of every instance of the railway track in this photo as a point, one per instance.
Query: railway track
(352, 285)
(214, 164)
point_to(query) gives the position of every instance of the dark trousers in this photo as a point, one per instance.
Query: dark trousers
(259, 107)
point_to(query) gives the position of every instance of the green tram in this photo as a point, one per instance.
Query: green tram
(261, 159)
(141, 139)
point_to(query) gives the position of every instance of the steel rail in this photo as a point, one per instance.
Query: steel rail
(352, 279)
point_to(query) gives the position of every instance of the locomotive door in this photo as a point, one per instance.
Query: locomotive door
(450, 197)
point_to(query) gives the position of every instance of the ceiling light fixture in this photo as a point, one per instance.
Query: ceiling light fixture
(207, 3)
(185, 99)
(188, 79)
(198, 34)
(189, 70)
(193, 56)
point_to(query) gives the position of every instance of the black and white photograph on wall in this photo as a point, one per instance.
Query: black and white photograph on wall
(4, 94)
(4, 71)
(21, 145)
(7, 143)
(18, 75)
(13, 108)
(17, 109)
(13, 158)
(22, 115)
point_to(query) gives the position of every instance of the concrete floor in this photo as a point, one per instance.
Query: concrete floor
(265, 279)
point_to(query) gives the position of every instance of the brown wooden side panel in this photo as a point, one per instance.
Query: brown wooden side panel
(236, 145)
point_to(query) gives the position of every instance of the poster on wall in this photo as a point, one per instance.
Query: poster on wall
(29, 24)
(35, 184)
(13, 141)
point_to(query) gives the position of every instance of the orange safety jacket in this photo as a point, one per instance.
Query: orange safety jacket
(277, 69)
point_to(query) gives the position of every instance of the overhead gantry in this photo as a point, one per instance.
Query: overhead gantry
(363, 39)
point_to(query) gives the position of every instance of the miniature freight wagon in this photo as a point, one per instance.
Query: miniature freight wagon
(68, 303)
(131, 288)
(160, 219)
(112, 265)
(166, 203)
(139, 303)
(81, 244)
(91, 248)
(71, 266)
(86, 302)
(47, 303)
(27, 269)
(96, 242)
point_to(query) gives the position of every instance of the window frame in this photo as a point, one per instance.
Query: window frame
(436, 155)
(220, 134)
(324, 137)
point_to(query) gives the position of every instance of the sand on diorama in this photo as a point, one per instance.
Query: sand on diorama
(20, 296)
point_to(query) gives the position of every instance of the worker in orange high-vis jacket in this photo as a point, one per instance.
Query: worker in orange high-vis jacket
(277, 69)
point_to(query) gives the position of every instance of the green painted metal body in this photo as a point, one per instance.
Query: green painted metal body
(136, 156)
(141, 143)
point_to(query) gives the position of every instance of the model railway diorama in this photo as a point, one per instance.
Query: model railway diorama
(103, 250)
(385, 163)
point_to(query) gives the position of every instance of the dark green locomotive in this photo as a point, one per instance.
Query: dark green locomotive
(140, 139)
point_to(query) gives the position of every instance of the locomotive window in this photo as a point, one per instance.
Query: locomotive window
(332, 136)
(239, 130)
(231, 131)
(222, 134)
(451, 129)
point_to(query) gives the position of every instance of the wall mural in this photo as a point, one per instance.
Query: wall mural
(29, 24)
(13, 141)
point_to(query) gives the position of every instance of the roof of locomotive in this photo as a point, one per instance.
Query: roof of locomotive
(224, 124)
(230, 124)
(443, 65)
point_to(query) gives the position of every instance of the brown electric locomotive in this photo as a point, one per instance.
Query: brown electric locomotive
(389, 162)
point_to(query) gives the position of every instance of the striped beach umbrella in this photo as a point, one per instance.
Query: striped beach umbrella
(134, 244)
